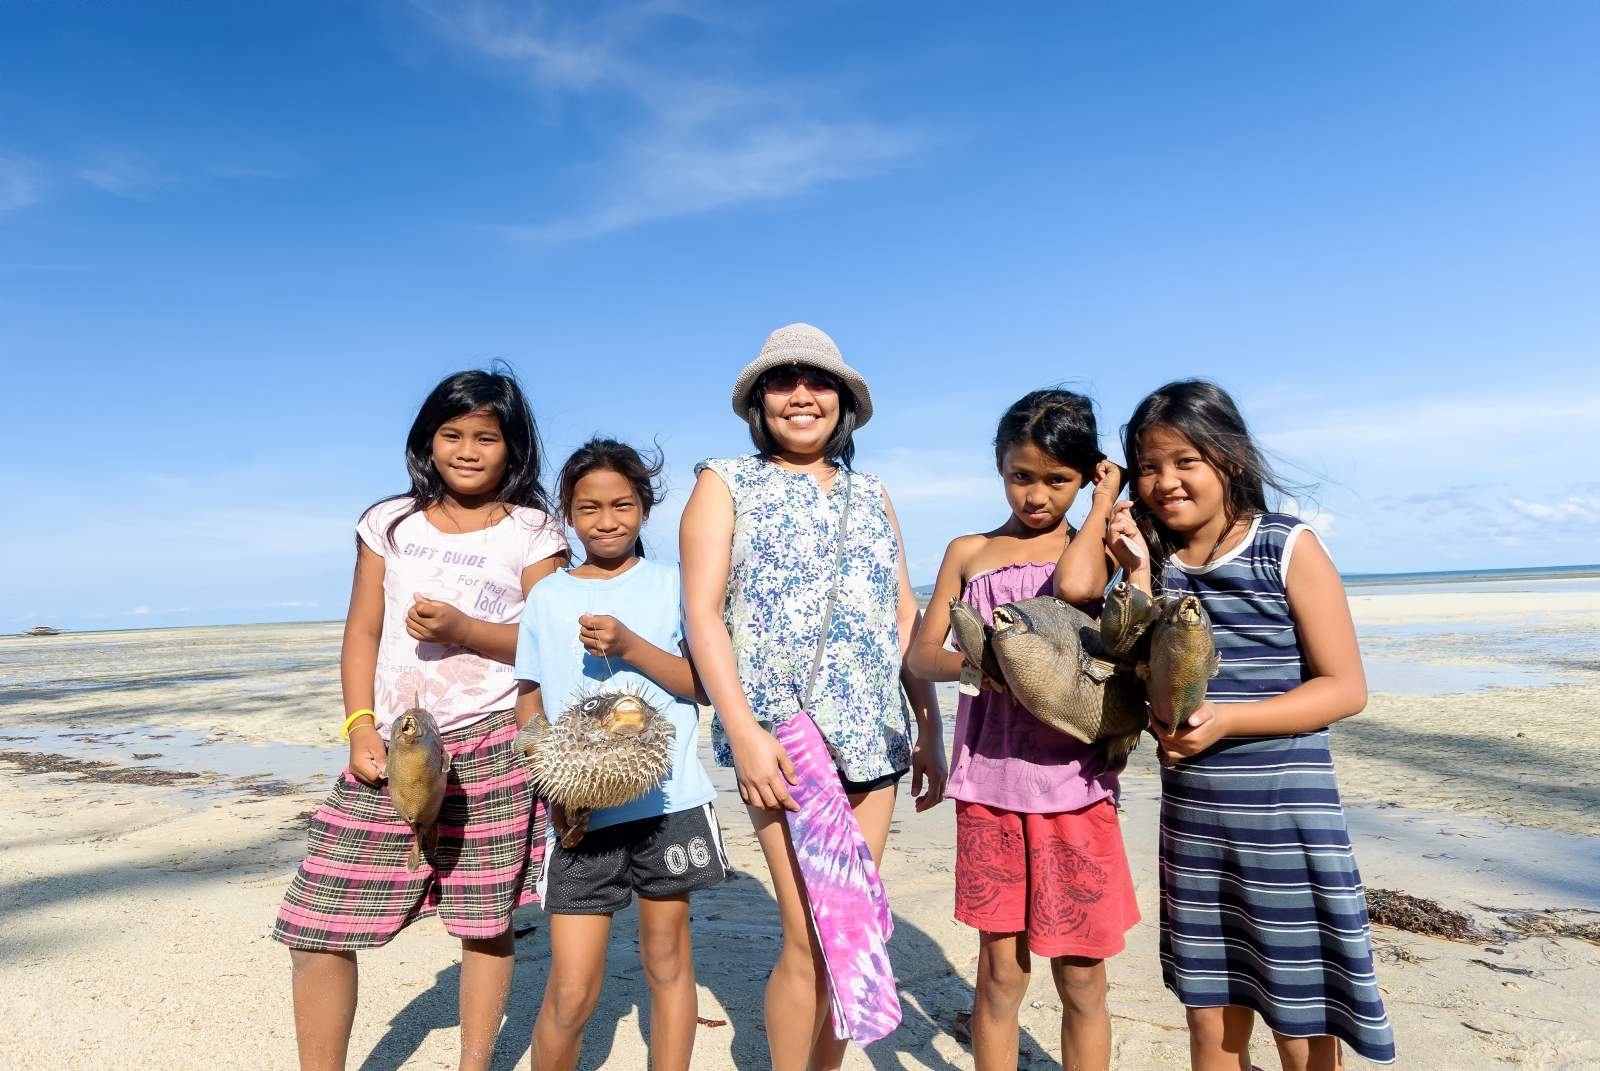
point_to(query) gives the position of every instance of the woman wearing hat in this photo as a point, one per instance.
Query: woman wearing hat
(759, 546)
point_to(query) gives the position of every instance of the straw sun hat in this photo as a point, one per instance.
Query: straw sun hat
(805, 345)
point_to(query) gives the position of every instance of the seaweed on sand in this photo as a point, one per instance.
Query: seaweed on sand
(88, 770)
(1556, 922)
(1414, 914)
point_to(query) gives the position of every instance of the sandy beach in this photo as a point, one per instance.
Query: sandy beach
(157, 786)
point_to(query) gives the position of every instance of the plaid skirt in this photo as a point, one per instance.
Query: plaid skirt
(353, 890)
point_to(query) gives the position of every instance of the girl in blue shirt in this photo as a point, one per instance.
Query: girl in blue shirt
(615, 622)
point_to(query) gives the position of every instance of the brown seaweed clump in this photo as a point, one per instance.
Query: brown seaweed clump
(93, 770)
(1414, 914)
(1584, 925)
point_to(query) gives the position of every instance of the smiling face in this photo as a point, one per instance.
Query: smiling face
(1183, 490)
(470, 454)
(1039, 487)
(801, 407)
(606, 514)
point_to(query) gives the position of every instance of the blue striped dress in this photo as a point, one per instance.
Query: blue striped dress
(1261, 902)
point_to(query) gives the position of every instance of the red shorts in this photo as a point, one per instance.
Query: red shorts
(1060, 878)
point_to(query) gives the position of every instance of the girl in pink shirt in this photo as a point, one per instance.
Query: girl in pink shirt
(1040, 865)
(441, 574)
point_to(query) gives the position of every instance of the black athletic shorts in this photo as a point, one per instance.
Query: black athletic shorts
(855, 788)
(657, 858)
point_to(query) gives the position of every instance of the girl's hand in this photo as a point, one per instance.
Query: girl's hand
(765, 771)
(570, 826)
(928, 768)
(436, 622)
(970, 672)
(1207, 725)
(984, 683)
(603, 635)
(1127, 544)
(1107, 481)
(369, 759)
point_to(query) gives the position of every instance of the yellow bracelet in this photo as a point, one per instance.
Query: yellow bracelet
(351, 720)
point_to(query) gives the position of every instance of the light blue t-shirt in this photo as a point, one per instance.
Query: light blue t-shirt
(646, 598)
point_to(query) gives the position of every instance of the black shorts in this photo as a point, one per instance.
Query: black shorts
(855, 788)
(657, 858)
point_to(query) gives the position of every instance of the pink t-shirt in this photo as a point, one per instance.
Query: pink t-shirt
(479, 573)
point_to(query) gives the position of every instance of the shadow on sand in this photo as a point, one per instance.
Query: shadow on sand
(736, 938)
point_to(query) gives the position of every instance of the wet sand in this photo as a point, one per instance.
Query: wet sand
(138, 903)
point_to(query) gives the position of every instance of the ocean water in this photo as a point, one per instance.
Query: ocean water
(112, 695)
(250, 658)
(1456, 656)
(130, 699)
(1511, 579)
(1555, 578)
(1444, 584)
(125, 697)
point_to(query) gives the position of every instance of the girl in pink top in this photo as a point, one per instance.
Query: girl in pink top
(441, 574)
(1040, 866)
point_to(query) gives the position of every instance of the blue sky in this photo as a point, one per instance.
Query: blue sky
(239, 243)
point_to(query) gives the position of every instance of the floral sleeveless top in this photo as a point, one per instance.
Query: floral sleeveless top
(785, 534)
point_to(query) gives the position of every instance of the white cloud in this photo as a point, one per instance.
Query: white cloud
(935, 488)
(122, 173)
(1582, 508)
(1405, 434)
(1312, 513)
(934, 476)
(570, 59)
(19, 183)
(165, 549)
(682, 172)
(125, 174)
(197, 534)
(166, 521)
(687, 141)
(1442, 482)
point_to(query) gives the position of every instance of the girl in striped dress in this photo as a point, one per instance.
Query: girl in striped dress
(1262, 907)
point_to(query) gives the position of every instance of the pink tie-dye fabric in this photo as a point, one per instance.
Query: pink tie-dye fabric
(849, 909)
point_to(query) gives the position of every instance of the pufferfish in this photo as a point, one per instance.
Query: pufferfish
(605, 750)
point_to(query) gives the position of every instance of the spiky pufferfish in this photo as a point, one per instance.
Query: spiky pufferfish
(605, 750)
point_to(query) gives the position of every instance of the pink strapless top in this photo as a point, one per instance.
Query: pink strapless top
(1005, 757)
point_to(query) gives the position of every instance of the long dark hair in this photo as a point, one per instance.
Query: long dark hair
(1059, 422)
(609, 455)
(841, 445)
(467, 392)
(1206, 415)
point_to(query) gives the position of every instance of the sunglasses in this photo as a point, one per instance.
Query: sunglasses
(786, 380)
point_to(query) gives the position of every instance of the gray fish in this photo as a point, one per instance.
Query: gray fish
(972, 635)
(1127, 615)
(417, 771)
(1054, 663)
(1183, 659)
